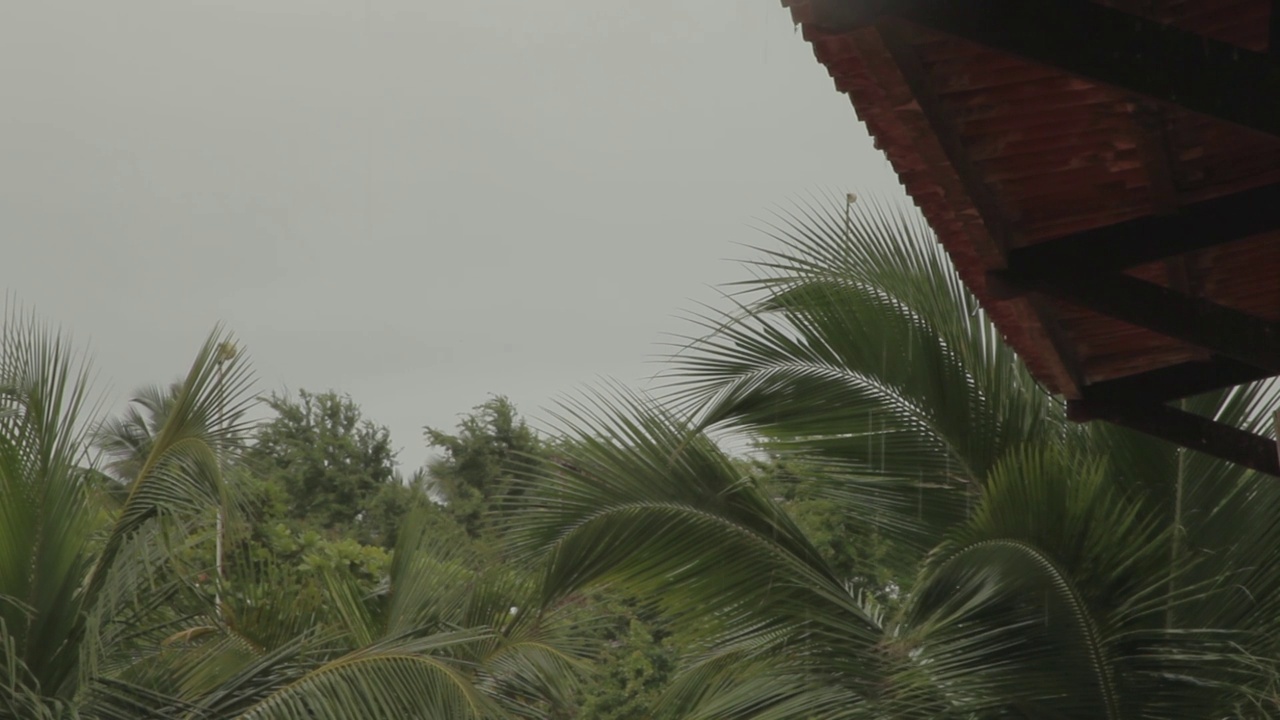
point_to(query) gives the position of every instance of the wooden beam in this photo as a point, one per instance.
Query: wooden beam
(1065, 366)
(1125, 51)
(1186, 429)
(942, 125)
(1190, 228)
(1175, 382)
(1195, 321)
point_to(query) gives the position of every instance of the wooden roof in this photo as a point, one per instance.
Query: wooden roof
(1105, 175)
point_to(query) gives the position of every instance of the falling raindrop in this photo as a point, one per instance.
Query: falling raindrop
(870, 439)
(919, 494)
(882, 434)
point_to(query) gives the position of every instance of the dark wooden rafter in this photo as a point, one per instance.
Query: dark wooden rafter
(1195, 321)
(1247, 349)
(1193, 227)
(893, 36)
(1134, 54)
(1187, 429)
(1175, 382)
(930, 106)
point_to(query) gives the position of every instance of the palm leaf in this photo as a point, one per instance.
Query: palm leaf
(640, 499)
(857, 347)
(182, 474)
(46, 522)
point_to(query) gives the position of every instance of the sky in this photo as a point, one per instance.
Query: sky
(416, 203)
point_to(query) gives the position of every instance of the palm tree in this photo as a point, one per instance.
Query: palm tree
(127, 440)
(1049, 570)
(78, 589)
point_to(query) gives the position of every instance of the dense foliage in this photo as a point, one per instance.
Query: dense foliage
(491, 446)
(332, 465)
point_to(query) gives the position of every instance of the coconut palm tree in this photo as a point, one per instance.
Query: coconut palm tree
(127, 440)
(1046, 570)
(78, 591)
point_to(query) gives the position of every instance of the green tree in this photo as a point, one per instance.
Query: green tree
(490, 448)
(1053, 570)
(337, 468)
(127, 440)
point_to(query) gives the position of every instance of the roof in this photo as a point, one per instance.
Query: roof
(1105, 176)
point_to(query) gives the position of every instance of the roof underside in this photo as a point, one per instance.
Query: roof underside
(1106, 177)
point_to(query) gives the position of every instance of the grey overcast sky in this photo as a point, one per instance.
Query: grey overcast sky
(417, 203)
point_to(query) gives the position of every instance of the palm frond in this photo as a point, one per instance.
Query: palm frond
(857, 347)
(183, 472)
(641, 499)
(46, 521)
(398, 678)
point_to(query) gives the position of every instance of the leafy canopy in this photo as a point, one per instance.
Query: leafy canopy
(336, 468)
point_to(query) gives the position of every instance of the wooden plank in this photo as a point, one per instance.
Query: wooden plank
(1186, 429)
(1163, 62)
